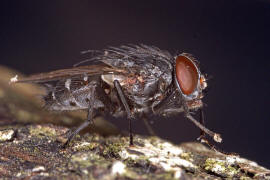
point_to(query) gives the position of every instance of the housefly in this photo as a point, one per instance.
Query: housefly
(131, 81)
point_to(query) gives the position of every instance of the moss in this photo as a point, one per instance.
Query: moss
(36, 150)
(86, 160)
(141, 161)
(85, 146)
(154, 140)
(131, 174)
(166, 176)
(220, 167)
(245, 178)
(129, 161)
(210, 164)
(187, 156)
(113, 149)
(40, 131)
(232, 171)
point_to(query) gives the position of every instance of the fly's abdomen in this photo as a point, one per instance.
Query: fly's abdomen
(66, 101)
(71, 95)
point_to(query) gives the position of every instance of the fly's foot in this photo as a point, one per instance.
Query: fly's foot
(69, 136)
(217, 138)
(204, 140)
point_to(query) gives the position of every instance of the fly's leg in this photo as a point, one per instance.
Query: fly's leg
(202, 121)
(126, 106)
(74, 133)
(212, 134)
(148, 126)
(203, 138)
(88, 121)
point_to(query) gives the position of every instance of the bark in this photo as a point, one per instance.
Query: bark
(31, 142)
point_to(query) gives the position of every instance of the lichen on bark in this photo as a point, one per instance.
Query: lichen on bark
(35, 151)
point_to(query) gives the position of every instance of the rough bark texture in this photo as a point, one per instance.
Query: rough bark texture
(30, 148)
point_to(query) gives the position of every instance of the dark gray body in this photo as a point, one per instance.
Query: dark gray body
(145, 73)
(146, 76)
(130, 80)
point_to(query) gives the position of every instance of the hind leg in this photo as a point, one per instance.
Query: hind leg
(89, 120)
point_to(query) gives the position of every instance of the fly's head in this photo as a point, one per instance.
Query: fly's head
(186, 89)
(189, 80)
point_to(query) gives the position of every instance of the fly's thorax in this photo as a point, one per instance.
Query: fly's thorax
(141, 90)
(170, 99)
(110, 78)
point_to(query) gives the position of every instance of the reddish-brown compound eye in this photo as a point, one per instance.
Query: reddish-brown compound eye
(186, 74)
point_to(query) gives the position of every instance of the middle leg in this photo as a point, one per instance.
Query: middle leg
(127, 108)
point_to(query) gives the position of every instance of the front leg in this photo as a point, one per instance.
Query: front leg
(126, 106)
(216, 137)
(202, 121)
(203, 138)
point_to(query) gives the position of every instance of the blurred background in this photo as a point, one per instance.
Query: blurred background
(230, 38)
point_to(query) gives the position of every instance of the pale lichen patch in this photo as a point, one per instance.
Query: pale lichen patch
(187, 156)
(231, 159)
(247, 166)
(220, 167)
(43, 130)
(177, 174)
(44, 174)
(245, 178)
(96, 157)
(118, 168)
(85, 146)
(84, 160)
(160, 154)
(6, 135)
(38, 169)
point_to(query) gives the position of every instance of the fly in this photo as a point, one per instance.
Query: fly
(132, 81)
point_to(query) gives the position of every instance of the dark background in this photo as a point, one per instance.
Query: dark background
(230, 38)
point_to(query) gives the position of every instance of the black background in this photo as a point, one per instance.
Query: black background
(230, 38)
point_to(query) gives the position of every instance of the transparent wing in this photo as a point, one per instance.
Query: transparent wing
(67, 73)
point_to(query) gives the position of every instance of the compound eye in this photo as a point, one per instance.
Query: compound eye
(186, 74)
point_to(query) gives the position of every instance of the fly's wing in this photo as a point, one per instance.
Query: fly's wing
(149, 68)
(123, 59)
(152, 64)
(132, 56)
(68, 73)
(61, 84)
(146, 66)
